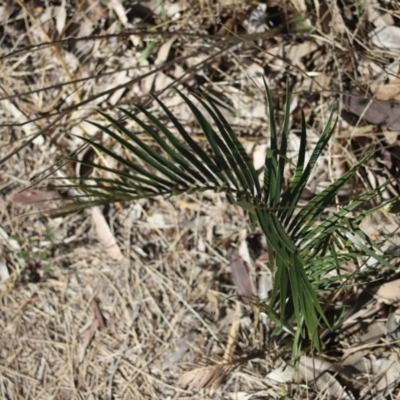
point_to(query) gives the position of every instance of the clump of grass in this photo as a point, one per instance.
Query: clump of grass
(34, 254)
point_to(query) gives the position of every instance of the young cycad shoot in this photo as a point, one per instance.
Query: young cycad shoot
(306, 255)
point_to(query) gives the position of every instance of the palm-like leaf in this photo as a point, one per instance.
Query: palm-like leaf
(296, 243)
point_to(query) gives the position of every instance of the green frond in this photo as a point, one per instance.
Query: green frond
(302, 250)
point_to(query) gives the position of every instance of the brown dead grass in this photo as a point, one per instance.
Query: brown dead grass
(96, 328)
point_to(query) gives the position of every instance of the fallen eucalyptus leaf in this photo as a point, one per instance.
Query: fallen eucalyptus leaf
(240, 274)
(375, 112)
(386, 37)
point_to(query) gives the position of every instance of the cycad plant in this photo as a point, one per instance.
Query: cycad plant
(306, 256)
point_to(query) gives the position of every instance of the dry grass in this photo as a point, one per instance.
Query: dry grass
(76, 324)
